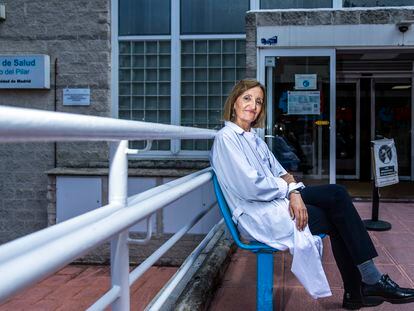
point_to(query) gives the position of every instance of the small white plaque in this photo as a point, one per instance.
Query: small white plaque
(305, 81)
(76, 97)
(270, 61)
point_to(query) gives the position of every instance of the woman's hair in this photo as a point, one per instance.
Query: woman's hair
(241, 87)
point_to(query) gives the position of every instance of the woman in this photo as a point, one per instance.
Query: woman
(269, 206)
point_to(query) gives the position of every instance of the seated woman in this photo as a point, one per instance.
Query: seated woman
(269, 206)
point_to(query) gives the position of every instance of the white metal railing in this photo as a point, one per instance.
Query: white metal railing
(46, 251)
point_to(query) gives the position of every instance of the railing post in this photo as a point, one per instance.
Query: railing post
(118, 178)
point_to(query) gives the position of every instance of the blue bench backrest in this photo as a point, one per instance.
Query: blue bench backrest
(225, 212)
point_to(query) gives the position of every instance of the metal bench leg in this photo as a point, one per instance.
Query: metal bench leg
(264, 291)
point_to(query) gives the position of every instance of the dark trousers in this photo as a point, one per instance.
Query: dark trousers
(331, 211)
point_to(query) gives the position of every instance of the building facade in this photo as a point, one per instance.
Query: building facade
(361, 53)
(358, 64)
(76, 38)
(174, 62)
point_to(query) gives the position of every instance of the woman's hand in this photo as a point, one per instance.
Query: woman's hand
(298, 210)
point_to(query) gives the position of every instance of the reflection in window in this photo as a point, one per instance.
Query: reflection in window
(372, 3)
(299, 143)
(144, 84)
(144, 17)
(209, 69)
(213, 16)
(295, 4)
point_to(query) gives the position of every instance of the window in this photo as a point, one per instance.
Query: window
(212, 60)
(372, 3)
(144, 17)
(213, 16)
(144, 84)
(295, 4)
(209, 69)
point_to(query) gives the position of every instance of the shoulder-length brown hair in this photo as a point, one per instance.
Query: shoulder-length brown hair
(241, 87)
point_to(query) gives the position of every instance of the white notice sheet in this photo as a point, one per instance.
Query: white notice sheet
(304, 102)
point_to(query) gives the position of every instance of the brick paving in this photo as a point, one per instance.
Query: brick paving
(396, 257)
(77, 286)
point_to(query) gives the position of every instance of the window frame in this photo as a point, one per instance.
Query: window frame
(212, 33)
(119, 21)
(175, 38)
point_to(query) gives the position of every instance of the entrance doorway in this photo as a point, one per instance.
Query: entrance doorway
(371, 108)
(375, 100)
(300, 96)
(358, 96)
(392, 100)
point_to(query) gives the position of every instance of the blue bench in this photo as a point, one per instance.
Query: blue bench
(264, 255)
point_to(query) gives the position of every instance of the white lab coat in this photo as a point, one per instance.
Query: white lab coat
(249, 176)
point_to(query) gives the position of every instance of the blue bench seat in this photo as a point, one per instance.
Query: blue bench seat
(264, 255)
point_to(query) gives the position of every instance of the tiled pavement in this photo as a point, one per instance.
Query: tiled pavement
(396, 257)
(77, 287)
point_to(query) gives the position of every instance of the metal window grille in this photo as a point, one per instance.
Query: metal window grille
(144, 84)
(209, 69)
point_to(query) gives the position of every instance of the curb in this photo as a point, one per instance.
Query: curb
(197, 288)
(200, 290)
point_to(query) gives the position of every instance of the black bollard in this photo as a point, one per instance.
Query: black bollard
(374, 224)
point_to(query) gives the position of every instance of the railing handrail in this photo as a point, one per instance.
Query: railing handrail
(71, 239)
(14, 248)
(28, 125)
(73, 245)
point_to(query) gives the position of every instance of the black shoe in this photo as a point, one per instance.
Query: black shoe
(388, 290)
(354, 301)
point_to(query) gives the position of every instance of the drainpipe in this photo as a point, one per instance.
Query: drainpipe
(55, 109)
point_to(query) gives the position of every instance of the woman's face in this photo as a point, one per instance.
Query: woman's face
(248, 106)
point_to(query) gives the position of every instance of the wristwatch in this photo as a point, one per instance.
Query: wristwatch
(293, 191)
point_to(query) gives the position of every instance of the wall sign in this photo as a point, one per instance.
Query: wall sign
(76, 97)
(305, 81)
(331, 36)
(269, 41)
(24, 72)
(385, 162)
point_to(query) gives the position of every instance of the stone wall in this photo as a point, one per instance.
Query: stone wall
(76, 36)
(356, 16)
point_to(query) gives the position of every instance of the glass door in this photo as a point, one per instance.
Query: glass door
(300, 121)
(391, 117)
(348, 129)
